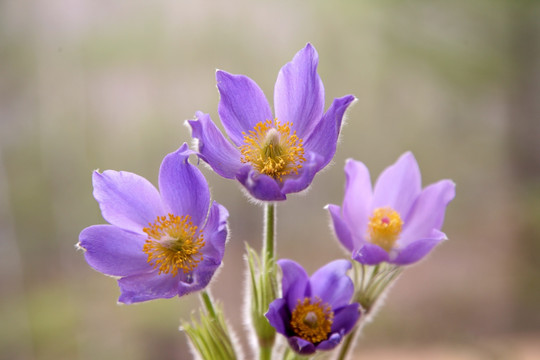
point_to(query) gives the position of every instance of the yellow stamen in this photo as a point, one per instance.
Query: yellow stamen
(173, 243)
(272, 149)
(384, 227)
(312, 321)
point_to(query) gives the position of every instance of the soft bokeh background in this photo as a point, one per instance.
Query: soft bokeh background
(108, 84)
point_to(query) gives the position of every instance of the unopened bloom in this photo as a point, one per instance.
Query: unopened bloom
(397, 222)
(159, 244)
(315, 312)
(272, 156)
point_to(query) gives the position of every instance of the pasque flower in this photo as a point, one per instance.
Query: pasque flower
(159, 244)
(315, 312)
(397, 222)
(272, 156)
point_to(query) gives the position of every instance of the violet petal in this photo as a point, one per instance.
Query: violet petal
(428, 211)
(295, 183)
(215, 232)
(331, 285)
(150, 286)
(183, 187)
(358, 197)
(345, 318)
(294, 282)
(199, 278)
(279, 316)
(418, 249)
(260, 186)
(342, 230)
(301, 346)
(333, 340)
(323, 139)
(114, 251)
(213, 148)
(370, 254)
(399, 185)
(299, 92)
(127, 200)
(241, 106)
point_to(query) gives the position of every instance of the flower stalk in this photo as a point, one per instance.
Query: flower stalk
(269, 240)
(263, 284)
(268, 282)
(208, 304)
(371, 283)
(210, 336)
(291, 355)
(262, 292)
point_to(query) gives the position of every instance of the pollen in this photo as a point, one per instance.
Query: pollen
(272, 150)
(384, 227)
(173, 244)
(312, 321)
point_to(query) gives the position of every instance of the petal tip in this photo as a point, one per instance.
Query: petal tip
(97, 175)
(409, 156)
(222, 74)
(199, 114)
(79, 247)
(349, 161)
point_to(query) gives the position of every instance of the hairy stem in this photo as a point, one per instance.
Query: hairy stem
(206, 300)
(367, 294)
(268, 267)
(269, 240)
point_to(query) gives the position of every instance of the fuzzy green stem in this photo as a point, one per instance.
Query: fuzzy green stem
(347, 344)
(265, 353)
(367, 295)
(269, 233)
(291, 355)
(210, 336)
(206, 300)
(268, 260)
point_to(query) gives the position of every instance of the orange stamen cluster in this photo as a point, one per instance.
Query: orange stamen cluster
(173, 243)
(384, 227)
(312, 321)
(272, 149)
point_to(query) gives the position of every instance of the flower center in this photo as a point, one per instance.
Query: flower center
(312, 321)
(173, 243)
(272, 149)
(384, 227)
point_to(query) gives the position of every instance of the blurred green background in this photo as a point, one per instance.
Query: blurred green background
(108, 84)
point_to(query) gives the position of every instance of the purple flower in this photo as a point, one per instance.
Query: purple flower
(159, 244)
(314, 312)
(397, 222)
(272, 156)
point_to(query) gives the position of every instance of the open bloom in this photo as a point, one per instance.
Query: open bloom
(272, 156)
(314, 312)
(159, 244)
(397, 221)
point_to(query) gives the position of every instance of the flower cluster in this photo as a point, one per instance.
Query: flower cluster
(170, 242)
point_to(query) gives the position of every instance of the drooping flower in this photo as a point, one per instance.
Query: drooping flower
(272, 156)
(397, 222)
(159, 244)
(315, 312)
